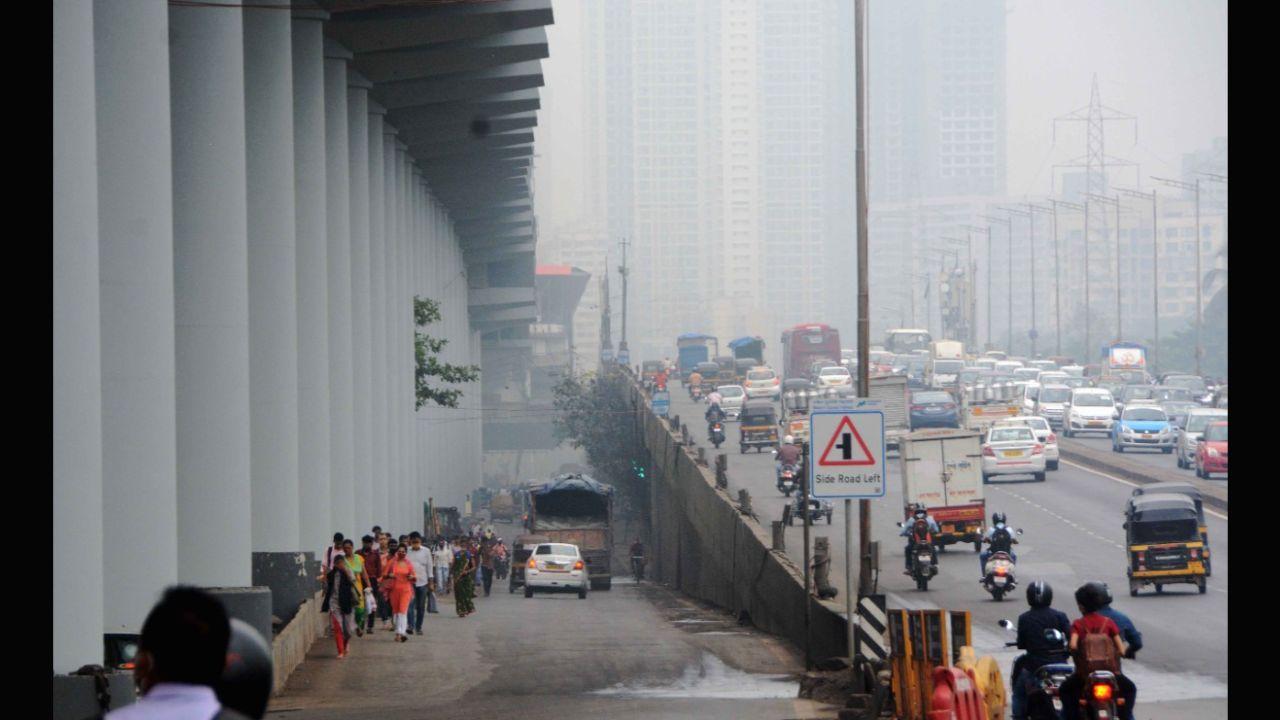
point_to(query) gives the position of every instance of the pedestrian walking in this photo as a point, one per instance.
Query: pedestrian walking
(464, 581)
(385, 554)
(399, 578)
(423, 566)
(486, 565)
(355, 563)
(444, 558)
(373, 569)
(500, 561)
(340, 602)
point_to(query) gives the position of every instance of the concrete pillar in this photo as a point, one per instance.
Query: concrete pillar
(135, 236)
(77, 349)
(378, 312)
(420, 416)
(211, 291)
(310, 191)
(391, 245)
(404, 326)
(341, 411)
(273, 310)
(361, 350)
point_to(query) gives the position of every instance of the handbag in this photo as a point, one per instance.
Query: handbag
(370, 602)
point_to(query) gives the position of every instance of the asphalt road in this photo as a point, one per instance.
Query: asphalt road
(1073, 534)
(635, 651)
(1146, 456)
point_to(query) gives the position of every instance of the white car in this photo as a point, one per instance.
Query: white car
(1051, 404)
(1188, 436)
(732, 398)
(762, 382)
(1029, 395)
(1051, 377)
(556, 567)
(1012, 450)
(1044, 434)
(1089, 410)
(834, 377)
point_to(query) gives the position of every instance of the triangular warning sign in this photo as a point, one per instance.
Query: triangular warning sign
(847, 454)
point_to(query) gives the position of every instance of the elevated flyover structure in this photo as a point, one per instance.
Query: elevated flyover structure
(247, 199)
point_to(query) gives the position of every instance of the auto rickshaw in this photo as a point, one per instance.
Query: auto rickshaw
(649, 371)
(797, 395)
(710, 372)
(1193, 492)
(1162, 534)
(758, 426)
(727, 368)
(520, 552)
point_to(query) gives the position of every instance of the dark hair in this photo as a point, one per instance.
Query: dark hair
(377, 528)
(186, 634)
(338, 537)
(348, 542)
(1088, 597)
(366, 538)
(415, 535)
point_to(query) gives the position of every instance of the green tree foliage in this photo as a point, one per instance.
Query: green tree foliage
(427, 348)
(594, 414)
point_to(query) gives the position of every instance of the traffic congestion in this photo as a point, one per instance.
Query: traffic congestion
(1000, 454)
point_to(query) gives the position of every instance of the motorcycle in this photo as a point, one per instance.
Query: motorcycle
(637, 567)
(787, 479)
(924, 564)
(1044, 701)
(501, 567)
(695, 392)
(716, 434)
(998, 574)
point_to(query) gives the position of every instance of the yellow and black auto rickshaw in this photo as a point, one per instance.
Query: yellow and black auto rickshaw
(758, 426)
(1162, 533)
(1193, 492)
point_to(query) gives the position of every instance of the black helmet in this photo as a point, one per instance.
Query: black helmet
(997, 518)
(920, 508)
(246, 681)
(1090, 597)
(1039, 594)
(1102, 590)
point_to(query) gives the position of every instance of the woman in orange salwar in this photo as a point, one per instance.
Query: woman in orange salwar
(398, 579)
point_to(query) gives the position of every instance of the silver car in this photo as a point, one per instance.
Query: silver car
(1190, 433)
(733, 396)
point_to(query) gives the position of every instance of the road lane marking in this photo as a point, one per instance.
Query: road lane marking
(1099, 473)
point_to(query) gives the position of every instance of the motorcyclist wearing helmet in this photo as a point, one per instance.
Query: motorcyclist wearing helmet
(1032, 625)
(714, 414)
(908, 531)
(1090, 599)
(1000, 539)
(1132, 638)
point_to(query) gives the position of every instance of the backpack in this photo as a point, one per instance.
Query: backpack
(921, 533)
(1001, 540)
(1097, 651)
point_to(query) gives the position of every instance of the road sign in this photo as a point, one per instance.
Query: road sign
(661, 403)
(847, 452)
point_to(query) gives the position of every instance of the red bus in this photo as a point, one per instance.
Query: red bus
(804, 345)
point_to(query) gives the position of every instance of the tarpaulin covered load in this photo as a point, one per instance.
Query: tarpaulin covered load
(571, 500)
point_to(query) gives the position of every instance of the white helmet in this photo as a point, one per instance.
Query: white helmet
(788, 440)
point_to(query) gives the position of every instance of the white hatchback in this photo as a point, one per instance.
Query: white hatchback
(1012, 451)
(556, 567)
(762, 382)
(732, 398)
(1043, 432)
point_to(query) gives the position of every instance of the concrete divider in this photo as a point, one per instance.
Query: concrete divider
(703, 546)
(290, 646)
(1213, 492)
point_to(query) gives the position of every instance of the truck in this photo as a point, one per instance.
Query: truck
(942, 469)
(691, 349)
(502, 507)
(983, 405)
(744, 348)
(574, 508)
(1125, 359)
(891, 391)
(946, 359)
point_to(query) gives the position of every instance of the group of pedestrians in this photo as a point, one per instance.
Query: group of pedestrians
(397, 580)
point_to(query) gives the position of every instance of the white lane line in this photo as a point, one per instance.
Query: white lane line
(1099, 473)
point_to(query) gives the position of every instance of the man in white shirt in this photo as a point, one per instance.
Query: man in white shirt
(424, 570)
(181, 655)
(444, 560)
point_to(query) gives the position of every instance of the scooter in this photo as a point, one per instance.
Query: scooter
(716, 434)
(695, 392)
(1044, 701)
(787, 479)
(998, 576)
(924, 564)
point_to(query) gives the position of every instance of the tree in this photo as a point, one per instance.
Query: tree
(594, 414)
(427, 349)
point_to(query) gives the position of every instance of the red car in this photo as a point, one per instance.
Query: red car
(1211, 451)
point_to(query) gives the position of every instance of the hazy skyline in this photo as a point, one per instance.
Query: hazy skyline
(1163, 62)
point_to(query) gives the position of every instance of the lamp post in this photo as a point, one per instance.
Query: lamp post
(971, 334)
(986, 230)
(1008, 226)
(1155, 270)
(1114, 201)
(1031, 243)
(1194, 187)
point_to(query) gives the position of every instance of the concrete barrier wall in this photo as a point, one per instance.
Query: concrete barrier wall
(289, 647)
(702, 545)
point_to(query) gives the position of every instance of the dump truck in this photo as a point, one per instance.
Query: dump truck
(574, 508)
(942, 469)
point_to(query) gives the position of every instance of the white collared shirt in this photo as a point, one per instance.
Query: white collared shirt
(422, 564)
(170, 701)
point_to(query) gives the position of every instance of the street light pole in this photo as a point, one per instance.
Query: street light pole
(1008, 226)
(1155, 271)
(1194, 187)
(1032, 244)
(1116, 201)
(986, 230)
(1057, 266)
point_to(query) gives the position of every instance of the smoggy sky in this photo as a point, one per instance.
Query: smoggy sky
(1164, 61)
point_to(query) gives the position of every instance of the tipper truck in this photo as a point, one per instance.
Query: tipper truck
(942, 468)
(575, 508)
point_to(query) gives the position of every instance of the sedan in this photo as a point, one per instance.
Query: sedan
(1142, 426)
(1012, 451)
(1043, 432)
(732, 397)
(556, 567)
(933, 408)
(1177, 410)
(1211, 451)
(834, 377)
